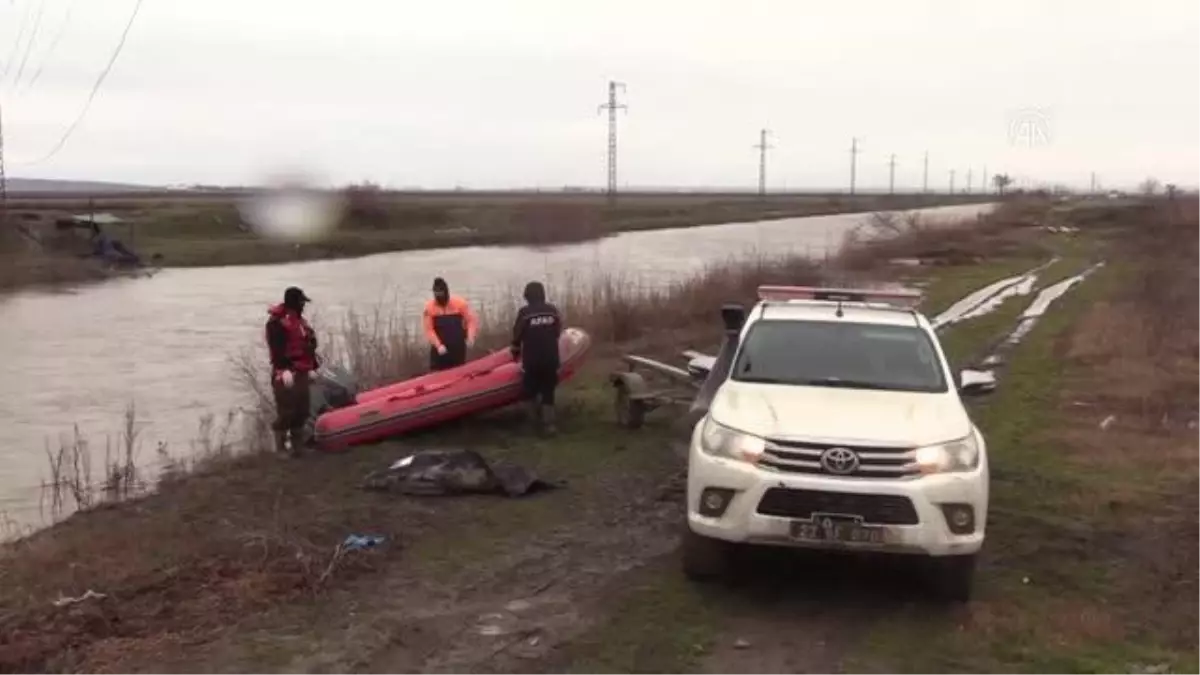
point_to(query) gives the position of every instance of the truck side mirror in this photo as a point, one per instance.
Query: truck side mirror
(975, 382)
(733, 316)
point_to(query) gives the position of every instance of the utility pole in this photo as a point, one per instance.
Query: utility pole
(951, 182)
(970, 177)
(983, 185)
(925, 174)
(612, 106)
(892, 175)
(1091, 189)
(762, 161)
(853, 163)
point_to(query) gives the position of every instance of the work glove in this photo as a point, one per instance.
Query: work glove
(286, 378)
(441, 350)
(471, 341)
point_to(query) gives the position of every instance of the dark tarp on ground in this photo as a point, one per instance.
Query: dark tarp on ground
(455, 472)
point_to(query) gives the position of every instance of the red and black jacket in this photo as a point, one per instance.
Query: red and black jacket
(291, 341)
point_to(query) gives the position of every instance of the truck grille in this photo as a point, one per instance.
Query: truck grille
(873, 461)
(874, 509)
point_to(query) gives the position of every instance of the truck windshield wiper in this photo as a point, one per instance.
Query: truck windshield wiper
(854, 384)
(763, 379)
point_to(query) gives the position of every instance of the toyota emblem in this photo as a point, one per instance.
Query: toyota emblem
(840, 461)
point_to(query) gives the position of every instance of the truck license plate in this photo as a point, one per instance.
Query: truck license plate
(839, 528)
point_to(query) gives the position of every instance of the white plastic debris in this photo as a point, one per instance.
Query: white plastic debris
(401, 463)
(63, 601)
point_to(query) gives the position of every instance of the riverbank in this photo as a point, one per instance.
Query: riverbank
(179, 231)
(234, 566)
(187, 323)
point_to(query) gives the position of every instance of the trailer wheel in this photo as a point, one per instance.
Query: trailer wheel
(631, 412)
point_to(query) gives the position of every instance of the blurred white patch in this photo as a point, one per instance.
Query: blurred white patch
(293, 212)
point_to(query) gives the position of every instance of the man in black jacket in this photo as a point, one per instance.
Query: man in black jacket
(535, 343)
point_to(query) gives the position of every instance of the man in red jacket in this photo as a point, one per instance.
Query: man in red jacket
(293, 348)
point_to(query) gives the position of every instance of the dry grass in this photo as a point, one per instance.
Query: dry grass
(18, 270)
(892, 236)
(72, 485)
(1144, 340)
(1119, 495)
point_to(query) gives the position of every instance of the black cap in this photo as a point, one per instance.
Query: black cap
(294, 296)
(439, 284)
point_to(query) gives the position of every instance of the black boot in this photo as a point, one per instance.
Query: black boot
(535, 414)
(280, 441)
(298, 441)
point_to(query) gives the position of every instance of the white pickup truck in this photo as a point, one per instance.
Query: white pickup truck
(839, 426)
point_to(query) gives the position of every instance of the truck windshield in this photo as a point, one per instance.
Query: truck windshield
(840, 354)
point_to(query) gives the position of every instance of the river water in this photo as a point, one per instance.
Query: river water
(166, 344)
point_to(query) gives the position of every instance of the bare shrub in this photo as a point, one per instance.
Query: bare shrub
(72, 485)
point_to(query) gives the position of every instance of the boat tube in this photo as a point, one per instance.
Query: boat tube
(487, 383)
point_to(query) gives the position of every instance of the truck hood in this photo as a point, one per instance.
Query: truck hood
(852, 416)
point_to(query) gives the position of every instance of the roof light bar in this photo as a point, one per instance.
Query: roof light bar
(863, 295)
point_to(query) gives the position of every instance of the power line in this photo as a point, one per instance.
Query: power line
(611, 106)
(37, 23)
(12, 55)
(53, 45)
(95, 87)
(762, 161)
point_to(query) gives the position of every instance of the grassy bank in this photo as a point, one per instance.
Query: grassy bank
(235, 566)
(182, 232)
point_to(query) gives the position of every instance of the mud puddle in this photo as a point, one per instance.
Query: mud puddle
(985, 300)
(985, 372)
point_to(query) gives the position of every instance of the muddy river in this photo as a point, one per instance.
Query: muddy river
(166, 344)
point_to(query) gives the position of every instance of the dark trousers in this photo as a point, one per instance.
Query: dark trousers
(292, 405)
(539, 383)
(455, 356)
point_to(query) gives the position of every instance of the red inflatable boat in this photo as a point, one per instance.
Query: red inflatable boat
(491, 382)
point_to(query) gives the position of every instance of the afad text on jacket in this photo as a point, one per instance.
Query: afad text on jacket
(536, 331)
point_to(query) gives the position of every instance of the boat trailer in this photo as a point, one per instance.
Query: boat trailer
(635, 396)
(692, 386)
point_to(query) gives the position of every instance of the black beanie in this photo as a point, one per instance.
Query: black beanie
(439, 284)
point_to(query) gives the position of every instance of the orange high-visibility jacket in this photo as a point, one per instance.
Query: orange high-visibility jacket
(449, 322)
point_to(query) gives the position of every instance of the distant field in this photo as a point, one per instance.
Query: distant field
(185, 228)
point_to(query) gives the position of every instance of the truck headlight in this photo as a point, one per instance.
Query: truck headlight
(960, 455)
(717, 439)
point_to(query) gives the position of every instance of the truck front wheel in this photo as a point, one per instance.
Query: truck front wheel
(953, 577)
(704, 558)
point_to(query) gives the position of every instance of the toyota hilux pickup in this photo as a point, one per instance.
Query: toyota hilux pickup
(838, 426)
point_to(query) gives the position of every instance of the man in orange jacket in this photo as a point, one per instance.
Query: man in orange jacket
(450, 327)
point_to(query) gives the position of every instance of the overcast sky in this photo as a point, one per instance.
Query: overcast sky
(504, 93)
